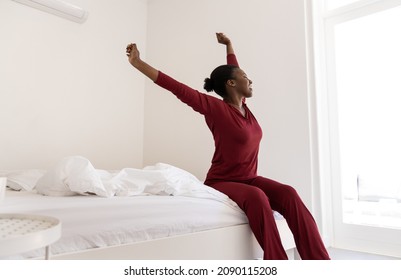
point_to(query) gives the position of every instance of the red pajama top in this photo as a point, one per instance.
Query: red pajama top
(236, 137)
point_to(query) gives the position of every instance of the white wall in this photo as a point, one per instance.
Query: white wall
(67, 88)
(269, 38)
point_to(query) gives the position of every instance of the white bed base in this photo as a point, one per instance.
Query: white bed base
(229, 243)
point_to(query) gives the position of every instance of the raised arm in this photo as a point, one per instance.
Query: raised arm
(224, 40)
(135, 60)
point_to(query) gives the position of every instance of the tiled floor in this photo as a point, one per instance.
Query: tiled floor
(340, 254)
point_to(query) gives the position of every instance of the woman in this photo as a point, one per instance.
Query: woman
(237, 135)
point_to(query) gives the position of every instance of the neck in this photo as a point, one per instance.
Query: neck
(236, 102)
(238, 105)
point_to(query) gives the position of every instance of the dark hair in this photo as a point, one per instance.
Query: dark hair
(218, 79)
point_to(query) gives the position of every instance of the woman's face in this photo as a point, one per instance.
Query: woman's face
(242, 83)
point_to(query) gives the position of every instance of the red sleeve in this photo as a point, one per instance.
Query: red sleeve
(193, 98)
(232, 59)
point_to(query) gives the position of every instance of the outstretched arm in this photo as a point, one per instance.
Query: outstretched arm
(135, 60)
(199, 102)
(223, 39)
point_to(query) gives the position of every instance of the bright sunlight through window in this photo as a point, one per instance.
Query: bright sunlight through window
(368, 69)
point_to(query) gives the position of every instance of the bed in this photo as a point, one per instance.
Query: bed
(166, 214)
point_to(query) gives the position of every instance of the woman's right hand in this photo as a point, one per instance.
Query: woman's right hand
(133, 54)
(134, 58)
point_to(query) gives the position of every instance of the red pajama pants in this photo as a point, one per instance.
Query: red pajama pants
(257, 198)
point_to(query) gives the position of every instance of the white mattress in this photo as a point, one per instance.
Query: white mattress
(93, 221)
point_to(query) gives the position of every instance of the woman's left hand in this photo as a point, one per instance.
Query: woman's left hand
(223, 39)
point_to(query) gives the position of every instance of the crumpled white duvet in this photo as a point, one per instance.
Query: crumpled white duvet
(76, 175)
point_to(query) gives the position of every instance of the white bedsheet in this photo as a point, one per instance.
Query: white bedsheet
(75, 175)
(91, 221)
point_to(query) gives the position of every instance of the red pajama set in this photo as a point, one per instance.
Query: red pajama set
(234, 172)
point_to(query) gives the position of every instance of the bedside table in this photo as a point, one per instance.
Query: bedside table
(23, 232)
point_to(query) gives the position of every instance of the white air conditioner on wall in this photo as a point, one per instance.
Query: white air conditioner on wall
(59, 8)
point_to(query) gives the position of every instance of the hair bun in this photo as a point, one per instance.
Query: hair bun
(208, 86)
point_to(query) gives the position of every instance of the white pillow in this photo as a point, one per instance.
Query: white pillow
(71, 176)
(24, 179)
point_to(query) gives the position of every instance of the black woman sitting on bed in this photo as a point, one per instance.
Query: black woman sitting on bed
(237, 135)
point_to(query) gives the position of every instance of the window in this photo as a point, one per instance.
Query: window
(362, 66)
(368, 67)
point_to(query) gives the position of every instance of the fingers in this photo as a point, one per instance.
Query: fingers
(220, 35)
(129, 49)
(222, 38)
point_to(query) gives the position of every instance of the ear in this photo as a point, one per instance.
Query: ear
(231, 83)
